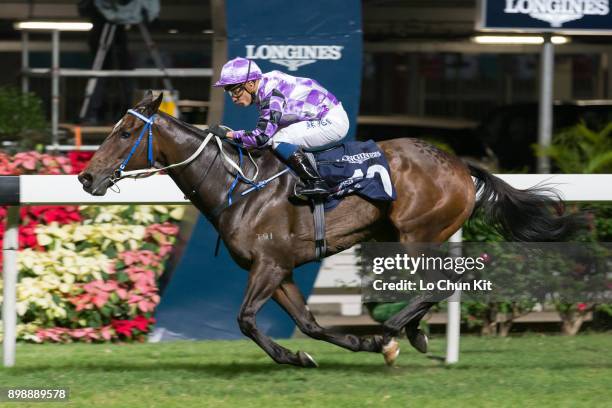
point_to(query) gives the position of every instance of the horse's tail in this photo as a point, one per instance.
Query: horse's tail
(536, 214)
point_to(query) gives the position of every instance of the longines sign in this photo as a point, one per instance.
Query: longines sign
(559, 16)
(294, 56)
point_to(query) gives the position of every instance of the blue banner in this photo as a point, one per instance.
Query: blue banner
(318, 39)
(559, 16)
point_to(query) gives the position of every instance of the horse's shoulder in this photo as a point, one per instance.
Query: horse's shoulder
(266, 158)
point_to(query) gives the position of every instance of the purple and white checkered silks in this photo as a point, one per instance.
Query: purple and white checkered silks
(282, 100)
(235, 72)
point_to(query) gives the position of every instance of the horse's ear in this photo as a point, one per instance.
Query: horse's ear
(153, 106)
(146, 100)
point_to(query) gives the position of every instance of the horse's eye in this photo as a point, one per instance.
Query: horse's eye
(125, 134)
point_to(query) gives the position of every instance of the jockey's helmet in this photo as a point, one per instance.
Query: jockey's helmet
(238, 71)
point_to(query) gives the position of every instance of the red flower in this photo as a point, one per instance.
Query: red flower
(581, 307)
(49, 214)
(27, 236)
(79, 160)
(141, 323)
(123, 327)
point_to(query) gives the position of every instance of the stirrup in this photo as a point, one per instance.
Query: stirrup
(316, 189)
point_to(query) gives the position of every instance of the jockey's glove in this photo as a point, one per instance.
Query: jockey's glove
(218, 131)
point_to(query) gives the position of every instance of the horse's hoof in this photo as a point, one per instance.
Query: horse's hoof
(390, 352)
(307, 360)
(418, 339)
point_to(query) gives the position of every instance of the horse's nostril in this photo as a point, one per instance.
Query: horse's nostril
(85, 179)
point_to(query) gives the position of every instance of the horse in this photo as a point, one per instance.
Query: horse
(268, 234)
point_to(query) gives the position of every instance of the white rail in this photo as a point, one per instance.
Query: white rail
(45, 190)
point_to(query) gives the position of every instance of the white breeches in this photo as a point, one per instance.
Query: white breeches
(316, 133)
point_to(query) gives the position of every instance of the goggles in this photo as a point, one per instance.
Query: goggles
(236, 90)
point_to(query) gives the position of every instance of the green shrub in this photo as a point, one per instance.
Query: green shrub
(581, 150)
(22, 119)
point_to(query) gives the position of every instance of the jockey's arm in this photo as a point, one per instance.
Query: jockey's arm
(271, 111)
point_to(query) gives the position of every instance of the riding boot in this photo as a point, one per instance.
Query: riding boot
(314, 185)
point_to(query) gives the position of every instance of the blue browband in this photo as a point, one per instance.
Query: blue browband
(148, 126)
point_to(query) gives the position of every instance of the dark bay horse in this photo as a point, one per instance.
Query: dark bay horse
(269, 235)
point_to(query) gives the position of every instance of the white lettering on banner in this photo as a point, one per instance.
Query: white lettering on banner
(384, 177)
(294, 56)
(360, 157)
(372, 171)
(557, 12)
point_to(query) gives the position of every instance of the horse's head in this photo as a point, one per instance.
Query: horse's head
(116, 150)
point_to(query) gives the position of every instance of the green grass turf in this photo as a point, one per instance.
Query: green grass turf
(529, 371)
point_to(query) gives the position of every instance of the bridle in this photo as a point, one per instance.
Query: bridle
(120, 172)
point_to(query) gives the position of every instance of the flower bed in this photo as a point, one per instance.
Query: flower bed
(87, 273)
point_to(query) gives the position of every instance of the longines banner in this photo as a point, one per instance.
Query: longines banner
(318, 39)
(558, 16)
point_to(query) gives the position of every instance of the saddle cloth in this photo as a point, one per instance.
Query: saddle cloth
(355, 168)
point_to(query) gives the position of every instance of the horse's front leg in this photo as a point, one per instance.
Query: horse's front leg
(265, 277)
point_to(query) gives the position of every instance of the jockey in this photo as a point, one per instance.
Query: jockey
(294, 113)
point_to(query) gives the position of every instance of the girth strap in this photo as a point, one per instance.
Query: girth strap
(318, 214)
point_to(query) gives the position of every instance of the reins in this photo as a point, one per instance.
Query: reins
(120, 173)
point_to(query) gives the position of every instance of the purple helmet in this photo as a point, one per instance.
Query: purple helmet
(238, 71)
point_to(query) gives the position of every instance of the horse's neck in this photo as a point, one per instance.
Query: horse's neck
(206, 180)
(205, 173)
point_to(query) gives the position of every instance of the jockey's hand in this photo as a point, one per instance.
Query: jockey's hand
(218, 131)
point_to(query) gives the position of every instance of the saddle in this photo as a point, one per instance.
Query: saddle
(348, 168)
(354, 168)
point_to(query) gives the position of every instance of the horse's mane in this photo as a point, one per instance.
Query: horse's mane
(199, 133)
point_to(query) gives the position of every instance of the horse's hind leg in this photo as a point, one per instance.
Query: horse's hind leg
(417, 338)
(264, 278)
(409, 317)
(290, 298)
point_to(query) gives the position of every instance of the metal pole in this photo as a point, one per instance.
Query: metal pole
(219, 56)
(600, 92)
(133, 73)
(9, 313)
(25, 62)
(606, 61)
(453, 324)
(152, 47)
(55, 78)
(106, 39)
(547, 63)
